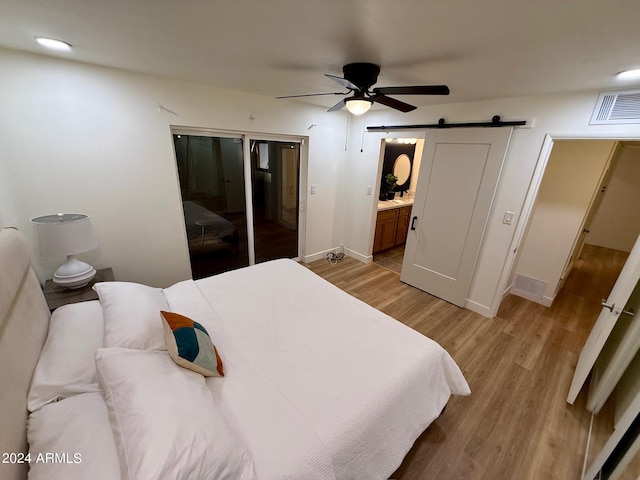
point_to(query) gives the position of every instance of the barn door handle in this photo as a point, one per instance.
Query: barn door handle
(413, 223)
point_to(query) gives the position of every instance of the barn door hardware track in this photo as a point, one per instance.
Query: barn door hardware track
(495, 122)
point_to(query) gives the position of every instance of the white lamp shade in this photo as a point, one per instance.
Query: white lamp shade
(64, 234)
(358, 106)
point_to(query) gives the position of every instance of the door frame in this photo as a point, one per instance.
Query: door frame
(529, 203)
(590, 213)
(247, 137)
(418, 135)
(302, 186)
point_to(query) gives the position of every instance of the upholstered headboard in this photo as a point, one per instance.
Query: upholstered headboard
(24, 322)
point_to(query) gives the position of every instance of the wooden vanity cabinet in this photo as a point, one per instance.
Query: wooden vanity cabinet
(403, 225)
(386, 225)
(391, 228)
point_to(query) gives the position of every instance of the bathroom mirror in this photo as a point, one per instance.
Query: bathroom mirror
(402, 168)
(397, 160)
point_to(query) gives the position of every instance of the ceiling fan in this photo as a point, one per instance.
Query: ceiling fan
(358, 80)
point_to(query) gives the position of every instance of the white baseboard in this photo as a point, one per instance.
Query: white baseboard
(319, 256)
(358, 256)
(546, 301)
(477, 308)
(348, 252)
(505, 293)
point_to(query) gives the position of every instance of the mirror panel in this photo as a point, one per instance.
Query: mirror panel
(398, 159)
(402, 168)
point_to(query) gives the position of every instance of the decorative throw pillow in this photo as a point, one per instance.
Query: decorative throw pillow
(190, 346)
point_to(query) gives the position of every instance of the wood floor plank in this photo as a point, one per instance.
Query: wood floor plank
(516, 423)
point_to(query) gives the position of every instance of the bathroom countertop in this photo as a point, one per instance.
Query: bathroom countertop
(396, 203)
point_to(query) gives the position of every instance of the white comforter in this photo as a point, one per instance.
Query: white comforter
(318, 384)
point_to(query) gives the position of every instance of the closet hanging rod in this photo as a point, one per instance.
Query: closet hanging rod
(495, 122)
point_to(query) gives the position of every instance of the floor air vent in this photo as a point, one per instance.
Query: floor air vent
(617, 107)
(528, 287)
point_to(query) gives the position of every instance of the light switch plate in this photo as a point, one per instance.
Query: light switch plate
(508, 218)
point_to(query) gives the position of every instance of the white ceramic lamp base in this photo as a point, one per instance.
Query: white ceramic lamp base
(74, 273)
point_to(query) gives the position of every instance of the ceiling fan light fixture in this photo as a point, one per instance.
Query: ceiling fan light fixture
(358, 106)
(53, 44)
(629, 74)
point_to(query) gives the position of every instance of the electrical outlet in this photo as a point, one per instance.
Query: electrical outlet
(369, 189)
(312, 190)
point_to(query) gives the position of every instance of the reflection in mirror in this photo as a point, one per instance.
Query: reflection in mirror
(402, 168)
(211, 174)
(623, 461)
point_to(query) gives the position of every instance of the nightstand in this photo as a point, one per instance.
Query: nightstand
(57, 296)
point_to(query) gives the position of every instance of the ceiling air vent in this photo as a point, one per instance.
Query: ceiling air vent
(616, 108)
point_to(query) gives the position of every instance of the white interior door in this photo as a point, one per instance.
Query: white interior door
(615, 305)
(457, 181)
(617, 353)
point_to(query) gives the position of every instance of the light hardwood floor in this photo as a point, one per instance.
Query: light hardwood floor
(516, 423)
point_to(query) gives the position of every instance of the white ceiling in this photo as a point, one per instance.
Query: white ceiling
(482, 49)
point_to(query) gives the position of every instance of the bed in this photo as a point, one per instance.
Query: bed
(315, 385)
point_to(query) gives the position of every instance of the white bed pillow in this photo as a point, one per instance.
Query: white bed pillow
(78, 431)
(165, 422)
(132, 315)
(67, 362)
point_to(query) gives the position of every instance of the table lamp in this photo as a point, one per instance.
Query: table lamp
(67, 234)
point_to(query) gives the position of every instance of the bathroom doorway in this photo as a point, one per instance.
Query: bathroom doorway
(400, 157)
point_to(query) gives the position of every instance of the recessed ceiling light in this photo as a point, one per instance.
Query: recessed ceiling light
(630, 74)
(53, 44)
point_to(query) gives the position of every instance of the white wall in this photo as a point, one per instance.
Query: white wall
(77, 137)
(617, 223)
(560, 115)
(415, 168)
(574, 172)
(81, 126)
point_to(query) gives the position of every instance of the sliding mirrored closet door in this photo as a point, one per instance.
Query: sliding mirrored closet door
(217, 175)
(211, 174)
(275, 169)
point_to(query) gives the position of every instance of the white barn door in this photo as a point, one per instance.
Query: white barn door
(456, 184)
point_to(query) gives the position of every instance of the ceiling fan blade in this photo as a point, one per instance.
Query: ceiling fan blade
(337, 106)
(313, 95)
(343, 81)
(393, 103)
(414, 90)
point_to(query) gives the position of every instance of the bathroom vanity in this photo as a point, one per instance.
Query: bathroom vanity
(392, 223)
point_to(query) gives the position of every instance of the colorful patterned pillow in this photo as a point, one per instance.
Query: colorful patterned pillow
(190, 346)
